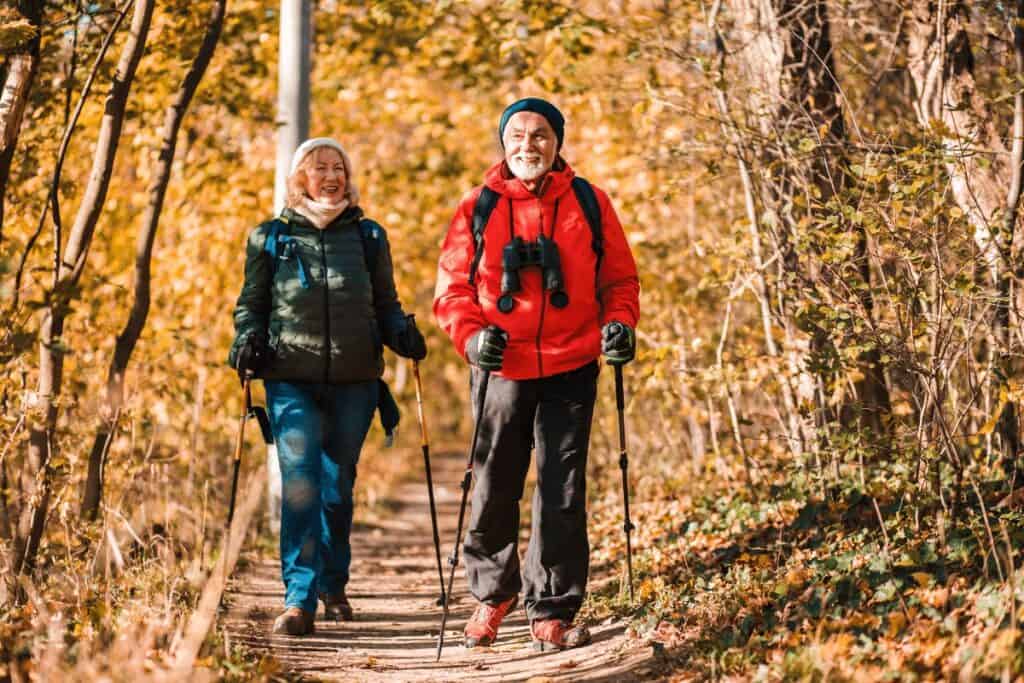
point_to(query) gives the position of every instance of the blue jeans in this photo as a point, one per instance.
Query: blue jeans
(319, 430)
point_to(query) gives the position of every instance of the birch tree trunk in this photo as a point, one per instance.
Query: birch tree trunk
(125, 343)
(20, 73)
(35, 478)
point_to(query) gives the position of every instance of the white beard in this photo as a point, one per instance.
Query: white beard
(527, 170)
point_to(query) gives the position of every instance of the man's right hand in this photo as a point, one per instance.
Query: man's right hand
(618, 343)
(253, 356)
(486, 348)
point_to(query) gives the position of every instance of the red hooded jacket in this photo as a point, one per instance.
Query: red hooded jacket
(543, 340)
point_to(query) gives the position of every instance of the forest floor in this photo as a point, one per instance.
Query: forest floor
(394, 589)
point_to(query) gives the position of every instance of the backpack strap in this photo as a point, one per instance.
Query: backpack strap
(372, 236)
(592, 210)
(587, 199)
(279, 244)
(278, 227)
(482, 210)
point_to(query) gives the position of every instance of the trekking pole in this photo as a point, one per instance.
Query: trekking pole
(467, 478)
(238, 448)
(620, 404)
(236, 466)
(425, 444)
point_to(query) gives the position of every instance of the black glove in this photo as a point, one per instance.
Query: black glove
(253, 356)
(486, 348)
(409, 342)
(618, 343)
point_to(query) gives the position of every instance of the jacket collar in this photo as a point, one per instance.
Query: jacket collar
(350, 215)
(557, 181)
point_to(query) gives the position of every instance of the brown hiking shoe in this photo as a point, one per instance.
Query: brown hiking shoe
(482, 627)
(555, 634)
(294, 621)
(337, 606)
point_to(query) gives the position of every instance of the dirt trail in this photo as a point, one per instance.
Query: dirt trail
(393, 589)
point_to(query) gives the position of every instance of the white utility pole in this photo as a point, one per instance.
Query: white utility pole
(292, 87)
(293, 67)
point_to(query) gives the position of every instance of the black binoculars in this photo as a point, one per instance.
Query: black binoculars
(519, 254)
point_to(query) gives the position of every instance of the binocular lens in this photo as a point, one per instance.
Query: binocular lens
(519, 254)
(510, 282)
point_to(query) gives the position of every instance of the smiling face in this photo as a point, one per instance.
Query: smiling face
(325, 175)
(530, 145)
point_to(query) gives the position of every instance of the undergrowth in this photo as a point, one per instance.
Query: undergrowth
(779, 582)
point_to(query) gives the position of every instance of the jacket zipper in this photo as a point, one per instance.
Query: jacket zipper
(540, 326)
(327, 310)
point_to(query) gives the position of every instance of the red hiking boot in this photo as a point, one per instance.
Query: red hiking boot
(482, 627)
(555, 634)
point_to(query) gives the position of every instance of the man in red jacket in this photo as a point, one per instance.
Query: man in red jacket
(544, 286)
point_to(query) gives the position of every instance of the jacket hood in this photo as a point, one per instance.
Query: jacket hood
(557, 181)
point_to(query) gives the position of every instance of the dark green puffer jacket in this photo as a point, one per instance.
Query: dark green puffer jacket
(331, 331)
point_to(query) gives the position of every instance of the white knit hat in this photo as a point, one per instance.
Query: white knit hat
(313, 143)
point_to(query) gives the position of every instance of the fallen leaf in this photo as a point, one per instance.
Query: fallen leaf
(896, 623)
(923, 579)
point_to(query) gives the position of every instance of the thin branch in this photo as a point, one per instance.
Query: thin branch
(125, 343)
(52, 195)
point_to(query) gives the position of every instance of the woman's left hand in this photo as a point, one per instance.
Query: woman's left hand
(410, 342)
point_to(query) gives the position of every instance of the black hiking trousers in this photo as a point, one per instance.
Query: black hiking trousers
(554, 413)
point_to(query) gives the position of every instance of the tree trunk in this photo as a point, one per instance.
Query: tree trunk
(1012, 253)
(35, 478)
(793, 425)
(785, 55)
(19, 75)
(941, 64)
(125, 344)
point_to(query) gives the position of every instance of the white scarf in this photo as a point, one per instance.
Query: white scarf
(319, 213)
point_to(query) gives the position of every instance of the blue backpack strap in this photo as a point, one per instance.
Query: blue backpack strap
(482, 210)
(372, 236)
(280, 244)
(587, 198)
(270, 245)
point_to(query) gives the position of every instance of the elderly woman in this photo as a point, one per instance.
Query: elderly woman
(316, 307)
